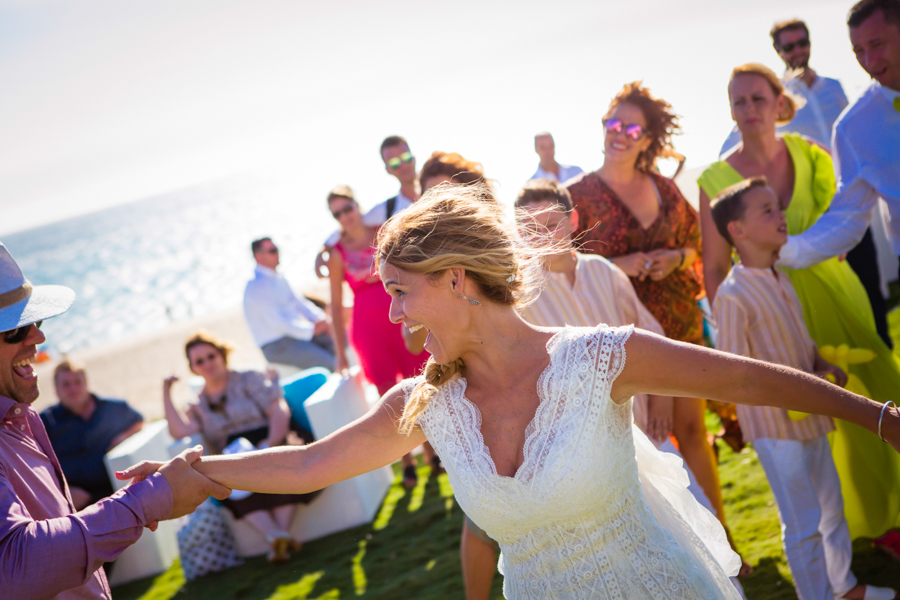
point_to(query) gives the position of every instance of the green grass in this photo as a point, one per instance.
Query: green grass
(412, 551)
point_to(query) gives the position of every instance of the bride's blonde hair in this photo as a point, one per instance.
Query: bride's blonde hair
(459, 226)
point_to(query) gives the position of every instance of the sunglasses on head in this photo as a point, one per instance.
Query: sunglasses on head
(348, 208)
(801, 43)
(615, 127)
(394, 163)
(14, 336)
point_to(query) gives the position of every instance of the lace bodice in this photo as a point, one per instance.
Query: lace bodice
(574, 521)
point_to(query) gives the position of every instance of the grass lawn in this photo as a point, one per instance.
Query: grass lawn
(412, 551)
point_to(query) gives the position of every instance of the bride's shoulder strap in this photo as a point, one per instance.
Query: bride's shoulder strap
(610, 343)
(598, 349)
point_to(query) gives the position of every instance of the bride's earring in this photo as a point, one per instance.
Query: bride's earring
(471, 300)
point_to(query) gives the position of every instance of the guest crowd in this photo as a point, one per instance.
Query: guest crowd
(780, 255)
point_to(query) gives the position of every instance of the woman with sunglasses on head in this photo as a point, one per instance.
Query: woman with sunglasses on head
(639, 220)
(232, 405)
(836, 308)
(379, 344)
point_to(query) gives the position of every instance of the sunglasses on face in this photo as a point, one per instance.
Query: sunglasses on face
(14, 336)
(394, 163)
(801, 43)
(200, 361)
(272, 250)
(343, 211)
(633, 132)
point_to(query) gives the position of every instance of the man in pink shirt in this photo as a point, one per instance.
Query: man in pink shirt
(47, 549)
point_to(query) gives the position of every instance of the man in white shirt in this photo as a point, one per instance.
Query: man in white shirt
(289, 330)
(399, 162)
(866, 145)
(548, 168)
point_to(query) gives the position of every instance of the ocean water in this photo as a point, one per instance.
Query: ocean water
(138, 267)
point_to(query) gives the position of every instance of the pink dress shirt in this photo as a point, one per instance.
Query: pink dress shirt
(47, 550)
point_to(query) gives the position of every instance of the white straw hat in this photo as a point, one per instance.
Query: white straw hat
(22, 303)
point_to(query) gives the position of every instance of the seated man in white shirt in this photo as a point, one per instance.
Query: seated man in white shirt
(399, 162)
(289, 330)
(548, 168)
(865, 146)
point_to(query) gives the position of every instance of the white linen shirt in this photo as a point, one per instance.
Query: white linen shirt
(274, 311)
(825, 101)
(566, 172)
(866, 152)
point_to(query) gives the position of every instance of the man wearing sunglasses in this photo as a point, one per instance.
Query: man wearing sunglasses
(548, 168)
(401, 164)
(47, 548)
(290, 330)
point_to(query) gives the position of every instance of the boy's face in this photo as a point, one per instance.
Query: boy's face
(763, 224)
(547, 218)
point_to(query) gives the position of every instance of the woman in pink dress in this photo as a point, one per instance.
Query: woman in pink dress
(379, 344)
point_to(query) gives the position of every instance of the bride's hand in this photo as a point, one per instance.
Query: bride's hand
(140, 471)
(890, 427)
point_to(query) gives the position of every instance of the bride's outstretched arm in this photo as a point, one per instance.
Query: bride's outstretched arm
(656, 365)
(370, 442)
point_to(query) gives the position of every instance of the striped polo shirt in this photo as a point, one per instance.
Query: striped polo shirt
(759, 315)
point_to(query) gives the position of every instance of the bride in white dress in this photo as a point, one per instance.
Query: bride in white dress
(534, 426)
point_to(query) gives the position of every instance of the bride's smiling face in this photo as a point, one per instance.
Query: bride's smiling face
(420, 301)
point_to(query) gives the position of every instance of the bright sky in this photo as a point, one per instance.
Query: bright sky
(108, 102)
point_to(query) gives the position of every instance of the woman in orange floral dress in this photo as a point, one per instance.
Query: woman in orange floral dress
(639, 220)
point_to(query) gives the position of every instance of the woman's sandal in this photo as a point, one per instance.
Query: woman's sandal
(436, 467)
(410, 477)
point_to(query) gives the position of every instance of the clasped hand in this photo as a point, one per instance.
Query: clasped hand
(189, 488)
(657, 264)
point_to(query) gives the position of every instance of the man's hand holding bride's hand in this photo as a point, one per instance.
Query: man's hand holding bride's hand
(189, 488)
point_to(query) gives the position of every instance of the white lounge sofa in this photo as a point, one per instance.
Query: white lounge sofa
(341, 506)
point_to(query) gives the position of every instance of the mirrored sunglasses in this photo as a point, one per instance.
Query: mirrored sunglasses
(15, 336)
(394, 163)
(614, 126)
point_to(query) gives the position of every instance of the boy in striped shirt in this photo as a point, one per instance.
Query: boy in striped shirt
(759, 315)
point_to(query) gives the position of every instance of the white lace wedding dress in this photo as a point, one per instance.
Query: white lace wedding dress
(595, 511)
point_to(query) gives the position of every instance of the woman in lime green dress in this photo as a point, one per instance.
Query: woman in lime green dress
(835, 305)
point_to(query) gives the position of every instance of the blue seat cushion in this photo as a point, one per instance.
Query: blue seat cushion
(297, 388)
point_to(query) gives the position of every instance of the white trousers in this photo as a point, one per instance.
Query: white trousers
(814, 531)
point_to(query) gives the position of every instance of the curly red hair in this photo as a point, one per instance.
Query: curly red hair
(662, 122)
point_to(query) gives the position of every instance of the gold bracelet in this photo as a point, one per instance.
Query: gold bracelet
(881, 416)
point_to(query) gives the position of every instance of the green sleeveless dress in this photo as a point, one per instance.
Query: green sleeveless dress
(837, 311)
